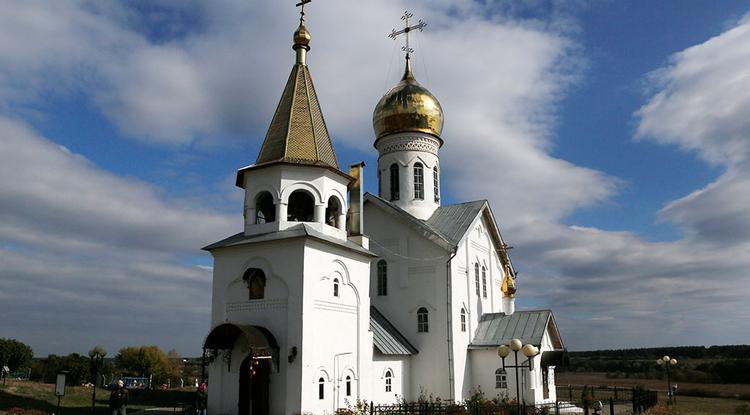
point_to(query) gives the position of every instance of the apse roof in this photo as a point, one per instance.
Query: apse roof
(495, 329)
(387, 338)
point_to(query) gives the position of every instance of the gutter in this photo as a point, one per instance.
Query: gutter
(449, 321)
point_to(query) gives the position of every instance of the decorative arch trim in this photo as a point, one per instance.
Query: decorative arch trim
(312, 190)
(321, 372)
(256, 190)
(386, 370)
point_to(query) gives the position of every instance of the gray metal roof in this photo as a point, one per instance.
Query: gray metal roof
(298, 231)
(495, 329)
(387, 338)
(448, 224)
(454, 220)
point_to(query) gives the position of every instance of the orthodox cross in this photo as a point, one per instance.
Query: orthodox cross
(405, 31)
(302, 9)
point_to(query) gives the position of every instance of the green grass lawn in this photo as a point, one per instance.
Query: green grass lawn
(77, 399)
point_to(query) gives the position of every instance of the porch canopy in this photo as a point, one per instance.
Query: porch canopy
(259, 340)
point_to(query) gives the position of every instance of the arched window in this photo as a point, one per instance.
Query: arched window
(418, 181)
(484, 282)
(463, 320)
(256, 283)
(335, 287)
(436, 184)
(422, 323)
(382, 277)
(380, 183)
(321, 388)
(333, 210)
(476, 277)
(348, 385)
(301, 207)
(394, 182)
(501, 379)
(265, 210)
(388, 381)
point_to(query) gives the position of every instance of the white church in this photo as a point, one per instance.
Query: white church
(330, 295)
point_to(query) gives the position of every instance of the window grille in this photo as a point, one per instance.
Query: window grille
(476, 277)
(422, 321)
(418, 181)
(382, 278)
(484, 282)
(436, 184)
(501, 379)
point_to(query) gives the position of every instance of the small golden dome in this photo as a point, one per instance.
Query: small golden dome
(509, 286)
(408, 106)
(302, 35)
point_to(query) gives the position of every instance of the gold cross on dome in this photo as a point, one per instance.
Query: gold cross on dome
(302, 9)
(405, 31)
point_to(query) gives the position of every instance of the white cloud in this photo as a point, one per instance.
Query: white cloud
(95, 253)
(703, 98)
(96, 242)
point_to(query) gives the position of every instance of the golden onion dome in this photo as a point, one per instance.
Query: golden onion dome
(408, 106)
(302, 35)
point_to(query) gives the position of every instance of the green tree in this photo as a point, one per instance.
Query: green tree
(14, 354)
(146, 361)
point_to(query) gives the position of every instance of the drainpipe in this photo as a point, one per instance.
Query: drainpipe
(337, 380)
(449, 320)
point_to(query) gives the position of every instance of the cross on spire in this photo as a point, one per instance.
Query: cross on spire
(405, 31)
(302, 9)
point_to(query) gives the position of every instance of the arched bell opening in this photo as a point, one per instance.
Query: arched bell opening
(333, 212)
(301, 207)
(265, 209)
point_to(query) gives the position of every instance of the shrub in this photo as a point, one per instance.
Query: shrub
(743, 409)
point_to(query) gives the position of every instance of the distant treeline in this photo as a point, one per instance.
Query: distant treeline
(715, 364)
(692, 352)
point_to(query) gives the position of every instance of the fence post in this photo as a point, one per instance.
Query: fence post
(372, 407)
(557, 407)
(611, 406)
(585, 407)
(570, 393)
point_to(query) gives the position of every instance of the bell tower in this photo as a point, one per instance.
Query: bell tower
(408, 121)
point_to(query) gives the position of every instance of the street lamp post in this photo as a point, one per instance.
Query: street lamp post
(528, 350)
(97, 358)
(666, 362)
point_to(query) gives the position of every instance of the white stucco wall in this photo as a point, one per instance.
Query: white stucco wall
(416, 278)
(400, 371)
(337, 340)
(278, 312)
(475, 247)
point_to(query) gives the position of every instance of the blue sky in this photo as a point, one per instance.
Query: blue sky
(616, 133)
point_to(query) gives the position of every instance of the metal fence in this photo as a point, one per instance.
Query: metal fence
(588, 401)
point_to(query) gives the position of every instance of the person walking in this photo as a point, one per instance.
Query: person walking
(118, 399)
(201, 400)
